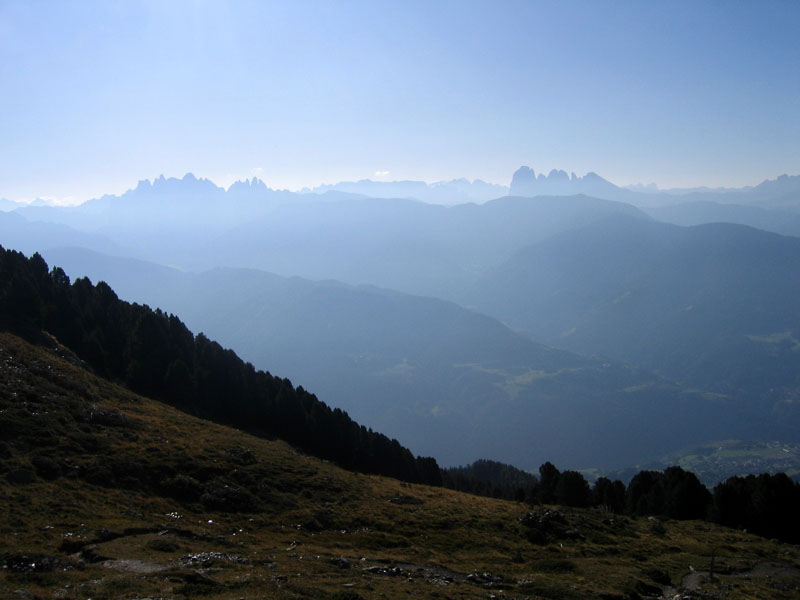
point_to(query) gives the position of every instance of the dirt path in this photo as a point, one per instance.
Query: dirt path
(771, 569)
(692, 582)
(133, 565)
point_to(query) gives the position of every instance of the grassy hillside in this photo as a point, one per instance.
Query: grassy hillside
(106, 494)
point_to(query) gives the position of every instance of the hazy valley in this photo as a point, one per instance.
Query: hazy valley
(593, 335)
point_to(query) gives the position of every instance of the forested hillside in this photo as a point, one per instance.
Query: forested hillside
(155, 354)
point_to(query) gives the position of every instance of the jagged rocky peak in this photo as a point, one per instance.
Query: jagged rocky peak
(559, 183)
(251, 188)
(146, 184)
(255, 182)
(522, 176)
(558, 175)
(525, 176)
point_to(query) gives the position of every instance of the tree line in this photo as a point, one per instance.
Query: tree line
(155, 354)
(763, 504)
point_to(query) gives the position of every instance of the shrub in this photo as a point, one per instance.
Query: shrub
(182, 487)
(46, 467)
(229, 498)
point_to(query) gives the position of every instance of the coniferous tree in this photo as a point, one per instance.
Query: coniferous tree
(548, 480)
(155, 354)
(685, 496)
(645, 494)
(572, 489)
(609, 494)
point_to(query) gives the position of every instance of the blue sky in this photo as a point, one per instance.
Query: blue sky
(97, 95)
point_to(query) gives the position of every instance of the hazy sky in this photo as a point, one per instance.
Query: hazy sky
(96, 95)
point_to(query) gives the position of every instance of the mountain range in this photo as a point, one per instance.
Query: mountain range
(570, 327)
(781, 192)
(448, 382)
(455, 191)
(525, 182)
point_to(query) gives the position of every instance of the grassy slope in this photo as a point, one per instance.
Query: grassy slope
(135, 542)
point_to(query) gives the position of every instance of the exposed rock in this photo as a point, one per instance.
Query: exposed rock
(341, 562)
(101, 416)
(403, 499)
(207, 558)
(241, 456)
(35, 563)
(488, 580)
(547, 525)
(388, 571)
(543, 518)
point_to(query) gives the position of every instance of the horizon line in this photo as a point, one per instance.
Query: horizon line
(70, 201)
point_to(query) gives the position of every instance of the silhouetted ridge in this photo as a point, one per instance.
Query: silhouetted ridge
(156, 355)
(525, 182)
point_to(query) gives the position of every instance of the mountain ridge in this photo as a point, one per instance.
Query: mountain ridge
(677, 299)
(421, 369)
(782, 191)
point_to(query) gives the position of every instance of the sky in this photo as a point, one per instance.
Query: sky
(95, 96)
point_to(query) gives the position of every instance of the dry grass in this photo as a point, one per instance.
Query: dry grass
(316, 532)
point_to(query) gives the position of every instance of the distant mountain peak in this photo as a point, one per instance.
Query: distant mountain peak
(454, 191)
(522, 176)
(558, 175)
(788, 182)
(249, 185)
(525, 182)
(525, 172)
(591, 175)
